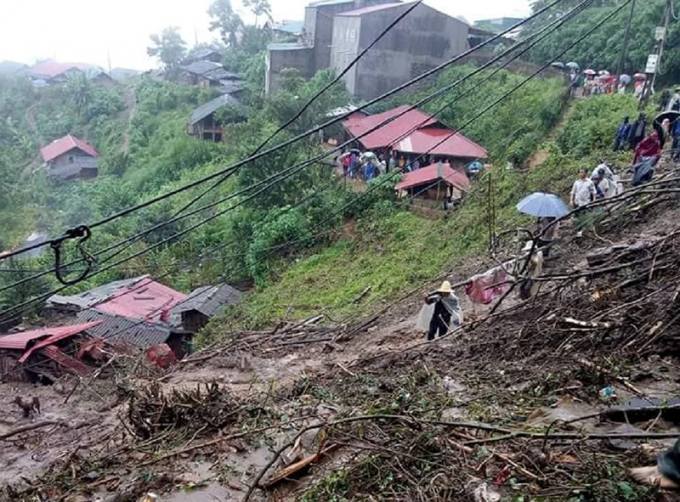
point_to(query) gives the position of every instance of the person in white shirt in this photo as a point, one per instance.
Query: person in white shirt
(583, 192)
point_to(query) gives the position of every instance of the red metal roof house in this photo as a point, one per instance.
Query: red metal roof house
(435, 182)
(412, 134)
(71, 158)
(135, 312)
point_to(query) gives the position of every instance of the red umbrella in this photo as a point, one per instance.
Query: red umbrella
(590, 72)
(639, 76)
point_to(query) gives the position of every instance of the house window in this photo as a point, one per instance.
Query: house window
(70, 159)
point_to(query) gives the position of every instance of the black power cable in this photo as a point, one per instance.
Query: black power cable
(520, 85)
(289, 142)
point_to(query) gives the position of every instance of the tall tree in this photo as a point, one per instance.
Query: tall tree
(225, 20)
(79, 90)
(259, 8)
(168, 47)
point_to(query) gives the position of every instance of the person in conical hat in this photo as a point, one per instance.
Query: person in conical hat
(446, 307)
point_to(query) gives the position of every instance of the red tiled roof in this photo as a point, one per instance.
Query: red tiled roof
(64, 145)
(19, 341)
(145, 299)
(368, 10)
(388, 134)
(429, 174)
(51, 69)
(428, 141)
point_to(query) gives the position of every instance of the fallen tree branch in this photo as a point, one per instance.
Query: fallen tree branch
(29, 427)
(608, 373)
(220, 440)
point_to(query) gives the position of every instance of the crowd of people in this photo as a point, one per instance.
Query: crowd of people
(591, 83)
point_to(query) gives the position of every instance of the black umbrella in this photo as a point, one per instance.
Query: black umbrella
(672, 116)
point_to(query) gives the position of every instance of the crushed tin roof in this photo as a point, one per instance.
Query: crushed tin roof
(42, 336)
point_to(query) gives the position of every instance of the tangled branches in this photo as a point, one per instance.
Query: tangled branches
(206, 409)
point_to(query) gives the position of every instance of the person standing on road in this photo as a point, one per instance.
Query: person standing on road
(446, 308)
(622, 134)
(583, 192)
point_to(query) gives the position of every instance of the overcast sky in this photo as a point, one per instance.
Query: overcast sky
(91, 31)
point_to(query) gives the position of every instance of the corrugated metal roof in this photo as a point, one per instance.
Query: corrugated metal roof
(146, 299)
(66, 333)
(138, 298)
(430, 174)
(230, 86)
(50, 68)
(201, 67)
(64, 145)
(94, 296)
(374, 8)
(122, 329)
(388, 134)
(212, 106)
(441, 142)
(200, 54)
(20, 341)
(210, 300)
(65, 361)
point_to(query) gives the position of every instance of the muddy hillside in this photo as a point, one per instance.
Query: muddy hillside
(555, 397)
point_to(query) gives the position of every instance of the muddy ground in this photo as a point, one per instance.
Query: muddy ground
(516, 375)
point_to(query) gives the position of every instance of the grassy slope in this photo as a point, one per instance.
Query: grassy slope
(393, 253)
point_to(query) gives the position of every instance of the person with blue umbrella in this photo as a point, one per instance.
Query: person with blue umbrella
(547, 208)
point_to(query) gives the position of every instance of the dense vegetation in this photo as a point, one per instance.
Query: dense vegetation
(603, 50)
(302, 242)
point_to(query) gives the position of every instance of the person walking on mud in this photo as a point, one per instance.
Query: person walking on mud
(583, 192)
(446, 308)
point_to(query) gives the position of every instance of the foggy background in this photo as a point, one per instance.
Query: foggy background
(99, 31)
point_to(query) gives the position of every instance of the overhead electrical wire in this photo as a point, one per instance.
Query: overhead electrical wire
(139, 235)
(524, 82)
(286, 143)
(325, 154)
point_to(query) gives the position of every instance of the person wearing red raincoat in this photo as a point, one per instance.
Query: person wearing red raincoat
(648, 147)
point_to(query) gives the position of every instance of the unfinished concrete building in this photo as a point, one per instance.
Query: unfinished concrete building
(336, 31)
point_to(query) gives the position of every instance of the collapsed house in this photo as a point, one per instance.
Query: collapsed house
(143, 313)
(43, 354)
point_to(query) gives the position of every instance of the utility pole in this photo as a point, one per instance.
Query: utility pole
(626, 39)
(654, 60)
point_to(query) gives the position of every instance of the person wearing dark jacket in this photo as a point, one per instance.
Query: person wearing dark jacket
(445, 307)
(638, 131)
(622, 135)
